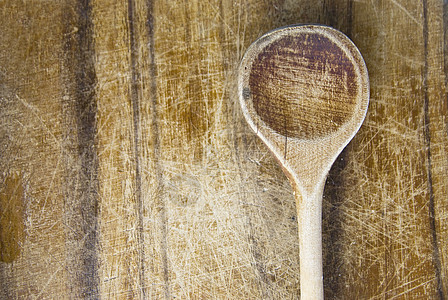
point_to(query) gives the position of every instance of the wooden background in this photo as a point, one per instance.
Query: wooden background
(128, 171)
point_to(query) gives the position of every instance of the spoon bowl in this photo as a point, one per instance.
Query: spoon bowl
(304, 90)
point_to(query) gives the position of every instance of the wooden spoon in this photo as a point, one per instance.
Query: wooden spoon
(304, 90)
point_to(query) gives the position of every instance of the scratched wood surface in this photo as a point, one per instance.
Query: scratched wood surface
(127, 170)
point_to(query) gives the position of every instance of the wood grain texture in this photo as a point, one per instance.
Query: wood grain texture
(137, 177)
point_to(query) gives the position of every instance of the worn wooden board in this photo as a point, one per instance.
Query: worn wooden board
(127, 170)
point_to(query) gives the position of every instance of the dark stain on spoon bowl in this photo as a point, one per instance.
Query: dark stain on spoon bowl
(303, 86)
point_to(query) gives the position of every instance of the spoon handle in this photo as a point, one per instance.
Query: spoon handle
(309, 216)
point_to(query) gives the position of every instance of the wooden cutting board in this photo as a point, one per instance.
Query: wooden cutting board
(128, 171)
